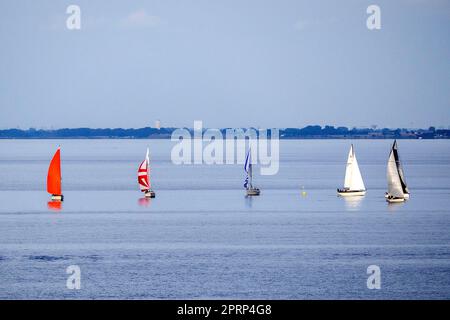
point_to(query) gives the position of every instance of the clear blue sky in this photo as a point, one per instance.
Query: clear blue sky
(229, 63)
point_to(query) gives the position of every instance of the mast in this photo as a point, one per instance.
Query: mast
(147, 158)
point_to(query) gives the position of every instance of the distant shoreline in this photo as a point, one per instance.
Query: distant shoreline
(306, 133)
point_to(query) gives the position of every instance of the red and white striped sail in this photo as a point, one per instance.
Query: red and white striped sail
(144, 174)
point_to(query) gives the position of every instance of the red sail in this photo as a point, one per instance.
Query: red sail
(54, 174)
(143, 180)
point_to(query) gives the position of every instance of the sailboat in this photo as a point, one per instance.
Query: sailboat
(397, 188)
(144, 177)
(353, 183)
(248, 184)
(54, 177)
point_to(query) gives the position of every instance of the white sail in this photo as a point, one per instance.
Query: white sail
(394, 183)
(353, 179)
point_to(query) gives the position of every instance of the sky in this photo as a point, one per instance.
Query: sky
(228, 63)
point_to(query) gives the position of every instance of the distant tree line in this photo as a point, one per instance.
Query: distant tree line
(308, 132)
(87, 133)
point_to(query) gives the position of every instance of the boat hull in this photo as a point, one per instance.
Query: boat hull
(150, 194)
(351, 193)
(405, 196)
(253, 192)
(395, 200)
(57, 197)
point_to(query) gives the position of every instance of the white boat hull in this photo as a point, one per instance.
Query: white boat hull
(405, 196)
(395, 200)
(150, 194)
(57, 197)
(253, 192)
(350, 193)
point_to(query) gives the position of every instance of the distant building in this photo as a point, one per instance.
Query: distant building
(158, 124)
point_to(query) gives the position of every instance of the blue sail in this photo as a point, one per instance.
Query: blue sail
(247, 167)
(248, 160)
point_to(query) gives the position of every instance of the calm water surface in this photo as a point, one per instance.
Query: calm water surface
(201, 238)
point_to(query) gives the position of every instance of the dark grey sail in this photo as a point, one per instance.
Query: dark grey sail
(399, 167)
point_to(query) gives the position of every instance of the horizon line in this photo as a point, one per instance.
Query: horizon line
(371, 127)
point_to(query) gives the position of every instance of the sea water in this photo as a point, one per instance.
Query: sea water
(202, 238)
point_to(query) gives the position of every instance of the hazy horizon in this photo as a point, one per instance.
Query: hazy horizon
(230, 64)
(225, 127)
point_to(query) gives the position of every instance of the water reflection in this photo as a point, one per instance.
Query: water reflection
(353, 203)
(394, 206)
(303, 193)
(248, 201)
(54, 205)
(144, 202)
